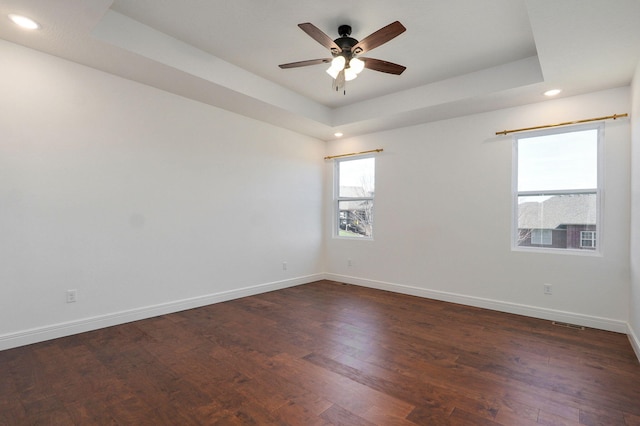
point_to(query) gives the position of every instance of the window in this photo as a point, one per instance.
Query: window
(355, 187)
(541, 237)
(557, 185)
(588, 239)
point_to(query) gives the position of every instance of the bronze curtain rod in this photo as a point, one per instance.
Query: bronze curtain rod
(352, 154)
(614, 116)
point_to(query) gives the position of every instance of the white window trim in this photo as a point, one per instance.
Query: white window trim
(598, 251)
(336, 200)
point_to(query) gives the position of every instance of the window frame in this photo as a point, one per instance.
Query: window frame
(337, 198)
(515, 233)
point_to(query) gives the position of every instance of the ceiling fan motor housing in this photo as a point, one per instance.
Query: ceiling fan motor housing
(345, 42)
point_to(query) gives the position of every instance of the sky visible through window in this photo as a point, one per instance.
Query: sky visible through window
(358, 173)
(557, 188)
(558, 161)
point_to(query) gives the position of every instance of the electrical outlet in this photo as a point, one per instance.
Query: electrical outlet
(548, 289)
(349, 263)
(284, 266)
(72, 296)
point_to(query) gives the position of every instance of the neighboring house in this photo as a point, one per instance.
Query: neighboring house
(566, 221)
(356, 216)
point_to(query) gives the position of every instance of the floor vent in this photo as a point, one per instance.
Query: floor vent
(567, 325)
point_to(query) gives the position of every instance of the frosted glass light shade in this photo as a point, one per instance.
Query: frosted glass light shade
(337, 65)
(349, 74)
(357, 65)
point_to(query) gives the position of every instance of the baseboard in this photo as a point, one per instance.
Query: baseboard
(635, 342)
(496, 305)
(40, 334)
(54, 331)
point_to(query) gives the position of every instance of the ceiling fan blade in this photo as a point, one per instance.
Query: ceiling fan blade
(378, 38)
(383, 66)
(305, 63)
(319, 36)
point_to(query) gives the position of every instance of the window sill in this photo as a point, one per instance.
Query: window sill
(574, 252)
(340, 237)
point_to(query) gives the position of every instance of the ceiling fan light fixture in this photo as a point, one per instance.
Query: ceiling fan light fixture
(337, 65)
(349, 74)
(357, 65)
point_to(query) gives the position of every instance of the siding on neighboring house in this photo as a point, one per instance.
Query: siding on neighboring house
(564, 217)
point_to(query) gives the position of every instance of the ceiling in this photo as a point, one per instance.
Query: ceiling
(462, 56)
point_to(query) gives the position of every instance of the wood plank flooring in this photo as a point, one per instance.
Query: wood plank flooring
(325, 354)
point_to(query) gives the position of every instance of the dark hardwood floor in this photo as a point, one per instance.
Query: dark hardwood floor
(325, 354)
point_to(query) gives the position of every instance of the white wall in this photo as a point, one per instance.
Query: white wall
(443, 211)
(634, 314)
(146, 202)
(143, 201)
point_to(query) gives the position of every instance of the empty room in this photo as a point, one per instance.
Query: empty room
(320, 213)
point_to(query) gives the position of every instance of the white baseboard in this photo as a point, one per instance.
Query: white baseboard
(496, 305)
(40, 334)
(635, 342)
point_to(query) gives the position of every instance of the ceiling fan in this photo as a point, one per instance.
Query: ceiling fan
(346, 62)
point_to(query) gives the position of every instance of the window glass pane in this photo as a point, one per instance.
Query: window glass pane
(556, 221)
(559, 161)
(355, 218)
(357, 178)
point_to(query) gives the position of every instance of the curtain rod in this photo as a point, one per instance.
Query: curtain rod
(352, 154)
(614, 116)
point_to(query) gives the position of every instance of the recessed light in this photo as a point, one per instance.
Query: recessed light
(552, 92)
(338, 134)
(24, 22)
